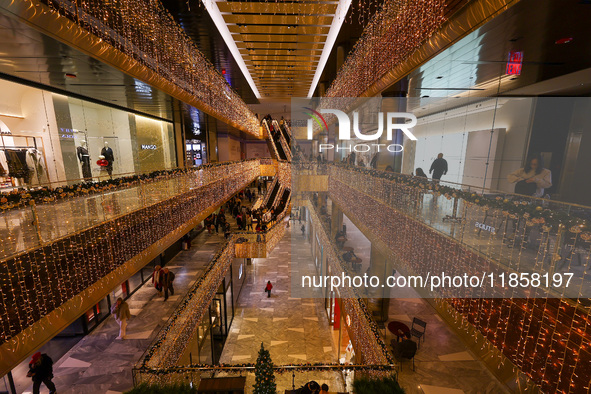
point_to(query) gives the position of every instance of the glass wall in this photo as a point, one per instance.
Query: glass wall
(99, 142)
(47, 137)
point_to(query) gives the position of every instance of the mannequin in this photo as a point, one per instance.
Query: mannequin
(84, 157)
(108, 153)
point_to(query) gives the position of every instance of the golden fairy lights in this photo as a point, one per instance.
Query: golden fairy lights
(172, 341)
(42, 279)
(392, 35)
(145, 31)
(365, 334)
(548, 339)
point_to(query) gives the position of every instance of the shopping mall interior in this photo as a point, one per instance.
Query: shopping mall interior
(303, 196)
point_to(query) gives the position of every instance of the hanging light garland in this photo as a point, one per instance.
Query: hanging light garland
(548, 339)
(40, 280)
(366, 336)
(172, 341)
(395, 31)
(146, 32)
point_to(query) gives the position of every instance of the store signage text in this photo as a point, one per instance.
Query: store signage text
(514, 63)
(485, 227)
(149, 147)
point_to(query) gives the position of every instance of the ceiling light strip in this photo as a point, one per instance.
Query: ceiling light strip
(216, 16)
(335, 27)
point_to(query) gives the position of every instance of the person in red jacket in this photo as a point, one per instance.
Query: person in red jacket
(268, 288)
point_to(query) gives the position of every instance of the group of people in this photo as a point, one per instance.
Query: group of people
(313, 387)
(530, 180)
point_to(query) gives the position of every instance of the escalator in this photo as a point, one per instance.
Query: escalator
(286, 133)
(280, 140)
(273, 195)
(274, 142)
(283, 201)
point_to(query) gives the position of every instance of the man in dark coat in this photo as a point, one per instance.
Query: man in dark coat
(439, 167)
(167, 279)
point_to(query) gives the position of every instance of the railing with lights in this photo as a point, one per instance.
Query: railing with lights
(34, 218)
(430, 227)
(114, 229)
(366, 337)
(287, 377)
(172, 341)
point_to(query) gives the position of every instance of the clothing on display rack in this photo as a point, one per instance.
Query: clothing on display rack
(107, 152)
(84, 159)
(25, 164)
(36, 165)
(3, 164)
(17, 164)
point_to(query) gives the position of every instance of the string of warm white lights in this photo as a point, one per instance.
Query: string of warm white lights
(366, 337)
(393, 34)
(146, 31)
(548, 339)
(174, 338)
(41, 279)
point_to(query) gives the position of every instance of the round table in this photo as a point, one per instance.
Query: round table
(398, 328)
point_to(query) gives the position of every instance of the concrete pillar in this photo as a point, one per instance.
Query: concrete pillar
(379, 298)
(337, 221)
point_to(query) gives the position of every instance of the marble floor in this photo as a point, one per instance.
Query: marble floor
(442, 363)
(99, 363)
(294, 330)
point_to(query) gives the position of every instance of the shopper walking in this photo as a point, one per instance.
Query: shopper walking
(268, 288)
(122, 315)
(303, 228)
(167, 280)
(438, 167)
(157, 279)
(41, 371)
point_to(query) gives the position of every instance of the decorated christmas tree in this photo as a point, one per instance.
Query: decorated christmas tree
(263, 371)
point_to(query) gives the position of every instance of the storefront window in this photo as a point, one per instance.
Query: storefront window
(51, 138)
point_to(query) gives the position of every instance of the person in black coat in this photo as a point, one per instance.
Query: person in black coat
(439, 167)
(41, 371)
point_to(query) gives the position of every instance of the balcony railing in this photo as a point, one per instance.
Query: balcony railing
(172, 341)
(518, 234)
(31, 226)
(144, 39)
(87, 240)
(432, 227)
(287, 377)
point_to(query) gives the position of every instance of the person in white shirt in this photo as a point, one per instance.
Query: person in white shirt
(533, 172)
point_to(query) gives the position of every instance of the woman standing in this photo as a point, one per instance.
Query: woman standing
(268, 288)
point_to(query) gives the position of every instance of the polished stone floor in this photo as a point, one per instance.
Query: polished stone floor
(294, 330)
(99, 363)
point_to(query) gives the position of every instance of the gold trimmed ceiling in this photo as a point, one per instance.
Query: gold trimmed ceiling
(280, 42)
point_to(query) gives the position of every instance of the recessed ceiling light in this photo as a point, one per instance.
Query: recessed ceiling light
(564, 40)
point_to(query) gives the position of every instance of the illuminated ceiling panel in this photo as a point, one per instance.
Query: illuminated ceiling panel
(282, 46)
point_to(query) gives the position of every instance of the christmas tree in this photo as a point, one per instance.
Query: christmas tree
(263, 371)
